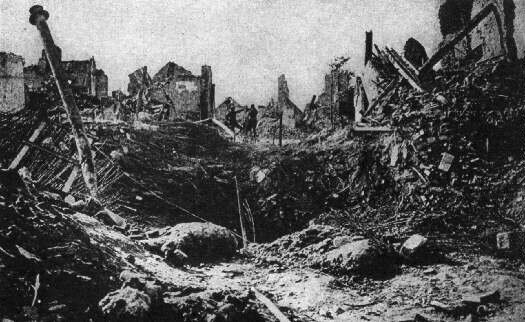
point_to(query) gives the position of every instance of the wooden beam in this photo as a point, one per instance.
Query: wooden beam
(71, 179)
(403, 70)
(372, 128)
(39, 18)
(36, 133)
(223, 126)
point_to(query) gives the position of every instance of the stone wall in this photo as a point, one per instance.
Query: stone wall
(12, 95)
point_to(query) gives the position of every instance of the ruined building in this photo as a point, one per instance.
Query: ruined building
(292, 115)
(494, 36)
(12, 97)
(82, 75)
(187, 96)
(338, 92)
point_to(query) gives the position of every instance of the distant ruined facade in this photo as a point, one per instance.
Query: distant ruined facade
(292, 115)
(187, 96)
(12, 95)
(82, 75)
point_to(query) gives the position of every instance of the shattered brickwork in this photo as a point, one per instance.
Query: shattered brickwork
(12, 97)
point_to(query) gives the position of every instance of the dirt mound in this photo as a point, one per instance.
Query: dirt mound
(198, 241)
(328, 248)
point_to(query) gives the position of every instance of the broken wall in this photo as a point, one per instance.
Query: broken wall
(12, 95)
(138, 80)
(101, 84)
(494, 40)
(207, 92)
(186, 96)
(292, 115)
(494, 36)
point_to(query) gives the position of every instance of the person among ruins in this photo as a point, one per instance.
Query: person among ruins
(251, 124)
(231, 116)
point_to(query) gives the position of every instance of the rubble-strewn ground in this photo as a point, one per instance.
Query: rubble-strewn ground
(352, 226)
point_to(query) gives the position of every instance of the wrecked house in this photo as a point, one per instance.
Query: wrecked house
(82, 75)
(118, 95)
(184, 95)
(292, 115)
(492, 37)
(12, 96)
(473, 31)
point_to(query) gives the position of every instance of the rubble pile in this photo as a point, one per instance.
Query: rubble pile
(46, 258)
(449, 144)
(440, 169)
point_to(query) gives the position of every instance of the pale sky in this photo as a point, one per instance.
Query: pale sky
(248, 43)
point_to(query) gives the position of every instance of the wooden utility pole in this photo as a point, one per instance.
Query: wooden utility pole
(332, 99)
(39, 18)
(241, 217)
(281, 129)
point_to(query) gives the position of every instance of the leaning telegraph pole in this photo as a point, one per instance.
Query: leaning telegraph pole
(39, 18)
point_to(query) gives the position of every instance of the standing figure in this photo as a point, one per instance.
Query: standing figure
(252, 121)
(231, 116)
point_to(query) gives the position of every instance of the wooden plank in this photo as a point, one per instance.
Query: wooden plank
(223, 126)
(71, 179)
(14, 164)
(372, 128)
(403, 70)
(203, 121)
(269, 304)
(241, 217)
